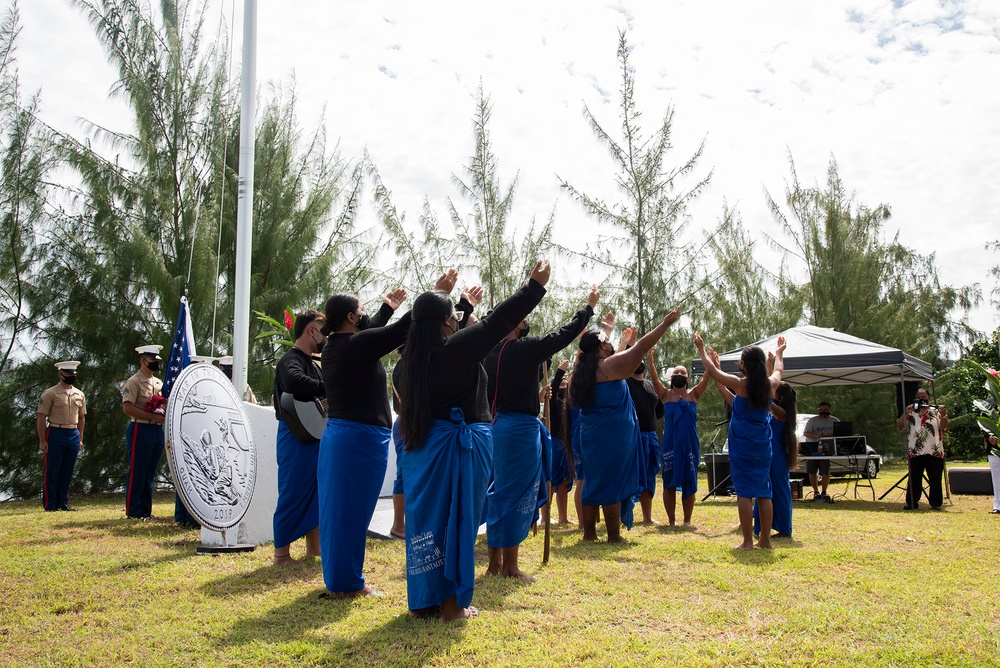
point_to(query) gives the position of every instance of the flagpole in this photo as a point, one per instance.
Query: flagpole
(244, 212)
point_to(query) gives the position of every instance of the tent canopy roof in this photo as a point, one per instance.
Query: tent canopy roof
(823, 356)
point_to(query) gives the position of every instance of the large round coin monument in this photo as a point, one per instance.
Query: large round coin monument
(210, 447)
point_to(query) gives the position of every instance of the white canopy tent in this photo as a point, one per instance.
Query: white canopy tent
(823, 356)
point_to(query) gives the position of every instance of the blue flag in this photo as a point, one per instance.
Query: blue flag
(181, 350)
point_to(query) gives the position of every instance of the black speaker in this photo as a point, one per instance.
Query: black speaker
(718, 472)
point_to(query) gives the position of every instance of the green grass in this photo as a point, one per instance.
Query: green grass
(862, 583)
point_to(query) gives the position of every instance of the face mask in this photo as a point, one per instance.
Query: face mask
(69, 380)
(678, 381)
(153, 366)
(640, 369)
(319, 346)
(824, 414)
(364, 322)
(523, 332)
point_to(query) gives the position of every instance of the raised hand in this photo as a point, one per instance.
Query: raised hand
(446, 281)
(628, 336)
(564, 365)
(714, 356)
(608, 322)
(541, 272)
(594, 296)
(673, 316)
(473, 295)
(698, 342)
(395, 298)
(780, 349)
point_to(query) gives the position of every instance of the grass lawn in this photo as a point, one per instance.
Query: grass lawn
(862, 583)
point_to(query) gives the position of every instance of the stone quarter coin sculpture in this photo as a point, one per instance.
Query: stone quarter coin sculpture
(210, 448)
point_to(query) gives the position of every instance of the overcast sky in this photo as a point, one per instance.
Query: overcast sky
(904, 95)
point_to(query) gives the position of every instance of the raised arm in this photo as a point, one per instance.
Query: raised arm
(735, 383)
(621, 365)
(390, 303)
(654, 376)
(779, 364)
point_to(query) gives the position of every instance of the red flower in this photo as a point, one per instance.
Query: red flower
(992, 372)
(288, 321)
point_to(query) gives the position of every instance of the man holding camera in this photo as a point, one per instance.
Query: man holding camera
(924, 425)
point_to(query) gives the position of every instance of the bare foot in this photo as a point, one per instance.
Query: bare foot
(520, 575)
(424, 613)
(401, 535)
(744, 546)
(493, 570)
(764, 544)
(465, 613)
(617, 541)
(285, 560)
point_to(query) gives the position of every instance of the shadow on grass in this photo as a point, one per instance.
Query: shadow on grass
(265, 577)
(402, 641)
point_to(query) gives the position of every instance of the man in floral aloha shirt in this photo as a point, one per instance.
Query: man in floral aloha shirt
(924, 425)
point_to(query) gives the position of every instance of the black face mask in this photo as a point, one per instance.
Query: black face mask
(677, 382)
(153, 366)
(69, 380)
(523, 331)
(641, 369)
(319, 346)
(824, 414)
(228, 370)
(363, 323)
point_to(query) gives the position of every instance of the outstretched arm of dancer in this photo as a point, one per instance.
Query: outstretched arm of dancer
(621, 365)
(779, 364)
(654, 376)
(726, 393)
(735, 383)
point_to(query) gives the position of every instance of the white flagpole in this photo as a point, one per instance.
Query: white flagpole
(244, 215)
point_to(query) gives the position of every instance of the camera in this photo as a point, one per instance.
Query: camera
(920, 403)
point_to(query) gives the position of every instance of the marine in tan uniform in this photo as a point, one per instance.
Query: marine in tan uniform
(144, 434)
(60, 425)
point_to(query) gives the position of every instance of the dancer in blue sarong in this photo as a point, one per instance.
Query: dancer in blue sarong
(647, 409)
(522, 447)
(562, 453)
(680, 450)
(354, 450)
(784, 457)
(445, 420)
(749, 431)
(609, 429)
(297, 511)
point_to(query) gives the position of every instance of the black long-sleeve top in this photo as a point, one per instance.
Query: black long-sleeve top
(516, 389)
(458, 379)
(556, 406)
(647, 405)
(298, 375)
(353, 373)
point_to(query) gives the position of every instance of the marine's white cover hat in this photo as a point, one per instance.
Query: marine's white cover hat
(226, 360)
(202, 358)
(67, 366)
(149, 350)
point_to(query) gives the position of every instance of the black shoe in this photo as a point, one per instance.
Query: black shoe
(939, 508)
(995, 512)
(50, 510)
(70, 509)
(907, 507)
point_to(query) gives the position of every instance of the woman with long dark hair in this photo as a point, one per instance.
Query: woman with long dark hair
(445, 422)
(609, 429)
(749, 432)
(784, 457)
(354, 450)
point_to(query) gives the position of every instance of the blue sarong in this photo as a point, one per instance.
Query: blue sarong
(522, 450)
(781, 488)
(680, 449)
(609, 442)
(297, 512)
(560, 464)
(446, 482)
(649, 461)
(750, 450)
(400, 446)
(574, 427)
(352, 460)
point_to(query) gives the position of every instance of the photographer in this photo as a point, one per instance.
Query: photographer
(924, 425)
